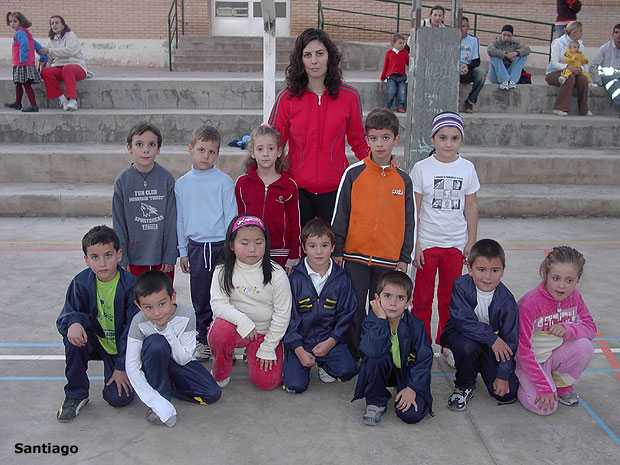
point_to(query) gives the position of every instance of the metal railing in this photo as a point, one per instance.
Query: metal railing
(173, 27)
(543, 39)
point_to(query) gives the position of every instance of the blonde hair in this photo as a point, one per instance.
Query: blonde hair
(562, 254)
(265, 130)
(573, 27)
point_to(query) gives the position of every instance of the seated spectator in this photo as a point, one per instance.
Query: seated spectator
(470, 70)
(574, 57)
(66, 63)
(435, 18)
(507, 57)
(605, 68)
(577, 79)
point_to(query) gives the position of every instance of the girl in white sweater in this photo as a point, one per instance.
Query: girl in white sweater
(251, 302)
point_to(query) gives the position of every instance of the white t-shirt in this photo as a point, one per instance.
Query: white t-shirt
(443, 187)
(483, 300)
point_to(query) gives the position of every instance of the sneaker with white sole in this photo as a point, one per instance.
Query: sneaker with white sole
(222, 384)
(448, 357)
(512, 85)
(504, 85)
(560, 113)
(153, 419)
(459, 398)
(373, 414)
(570, 398)
(71, 105)
(588, 113)
(561, 80)
(325, 377)
(202, 352)
(70, 409)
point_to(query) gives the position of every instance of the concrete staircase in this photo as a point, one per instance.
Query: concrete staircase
(227, 54)
(530, 163)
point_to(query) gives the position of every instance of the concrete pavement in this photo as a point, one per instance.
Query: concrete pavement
(39, 256)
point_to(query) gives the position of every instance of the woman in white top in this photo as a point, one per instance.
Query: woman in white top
(577, 80)
(66, 63)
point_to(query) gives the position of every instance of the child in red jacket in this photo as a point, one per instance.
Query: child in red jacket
(395, 70)
(269, 192)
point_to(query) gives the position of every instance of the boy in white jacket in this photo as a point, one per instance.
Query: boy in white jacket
(160, 347)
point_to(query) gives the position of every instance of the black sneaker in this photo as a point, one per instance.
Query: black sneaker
(32, 109)
(459, 398)
(469, 107)
(70, 409)
(14, 106)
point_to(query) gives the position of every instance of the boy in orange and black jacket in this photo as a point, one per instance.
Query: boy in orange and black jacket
(374, 217)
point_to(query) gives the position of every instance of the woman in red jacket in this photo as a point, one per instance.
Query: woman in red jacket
(314, 113)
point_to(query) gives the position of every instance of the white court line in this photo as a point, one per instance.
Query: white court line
(62, 357)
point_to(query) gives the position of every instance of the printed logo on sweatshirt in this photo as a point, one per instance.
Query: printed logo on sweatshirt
(248, 289)
(397, 191)
(150, 215)
(567, 315)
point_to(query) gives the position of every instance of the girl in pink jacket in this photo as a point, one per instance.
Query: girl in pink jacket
(555, 334)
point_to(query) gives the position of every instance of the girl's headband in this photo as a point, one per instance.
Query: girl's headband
(447, 119)
(248, 221)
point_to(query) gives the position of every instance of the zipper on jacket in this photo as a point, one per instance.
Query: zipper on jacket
(265, 201)
(319, 95)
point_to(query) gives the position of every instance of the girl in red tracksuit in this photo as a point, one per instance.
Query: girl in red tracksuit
(25, 72)
(269, 192)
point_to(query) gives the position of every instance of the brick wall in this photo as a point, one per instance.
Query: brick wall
(147, 19)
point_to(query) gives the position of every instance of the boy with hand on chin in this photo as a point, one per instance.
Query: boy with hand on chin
(160, 348)
(321, 316)
(374, 217)
(94, 323)
(397, 353)
(483, 329)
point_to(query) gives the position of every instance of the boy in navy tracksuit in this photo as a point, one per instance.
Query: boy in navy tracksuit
(94, 323)
(397, 353)
(323, 306)
(483, 329)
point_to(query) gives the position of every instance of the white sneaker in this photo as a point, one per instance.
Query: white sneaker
(560, 113)
(448, 356)
(570, 398)
(561, 80)
(512, 85)
(71, 105)
(63, 102)
(202, 352)
(325, 377)
(222, 384)
(589, 113)
(592, 84)
(504, 85)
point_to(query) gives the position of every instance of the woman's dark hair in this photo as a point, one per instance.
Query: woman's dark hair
(228, 258)
(62, 21)
(296, 77)
(23, 21)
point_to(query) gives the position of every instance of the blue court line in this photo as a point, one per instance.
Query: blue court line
(603, 370)
(599, 421)
(31, 344)
(606, 339)
(42, 378)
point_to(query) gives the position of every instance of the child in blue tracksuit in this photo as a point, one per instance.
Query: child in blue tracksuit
(323, 307)
(397, 352)
(94, 323)
(483, 329)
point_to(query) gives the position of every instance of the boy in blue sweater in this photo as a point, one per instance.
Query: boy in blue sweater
(397, 352)
(323, 307)
(94, 323)
(206, 205)
(483, 329)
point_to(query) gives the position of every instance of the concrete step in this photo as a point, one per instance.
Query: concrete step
(552, 200)
(92, 163)
(171, 91)
(111, 126)
(281, 55)
(495, 200)
(192, 65)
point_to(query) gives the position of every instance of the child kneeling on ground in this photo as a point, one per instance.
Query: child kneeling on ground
(160, 347)
(483, 329)
(555, 334)
(397, 352)
(94, 322)
(323, 307)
